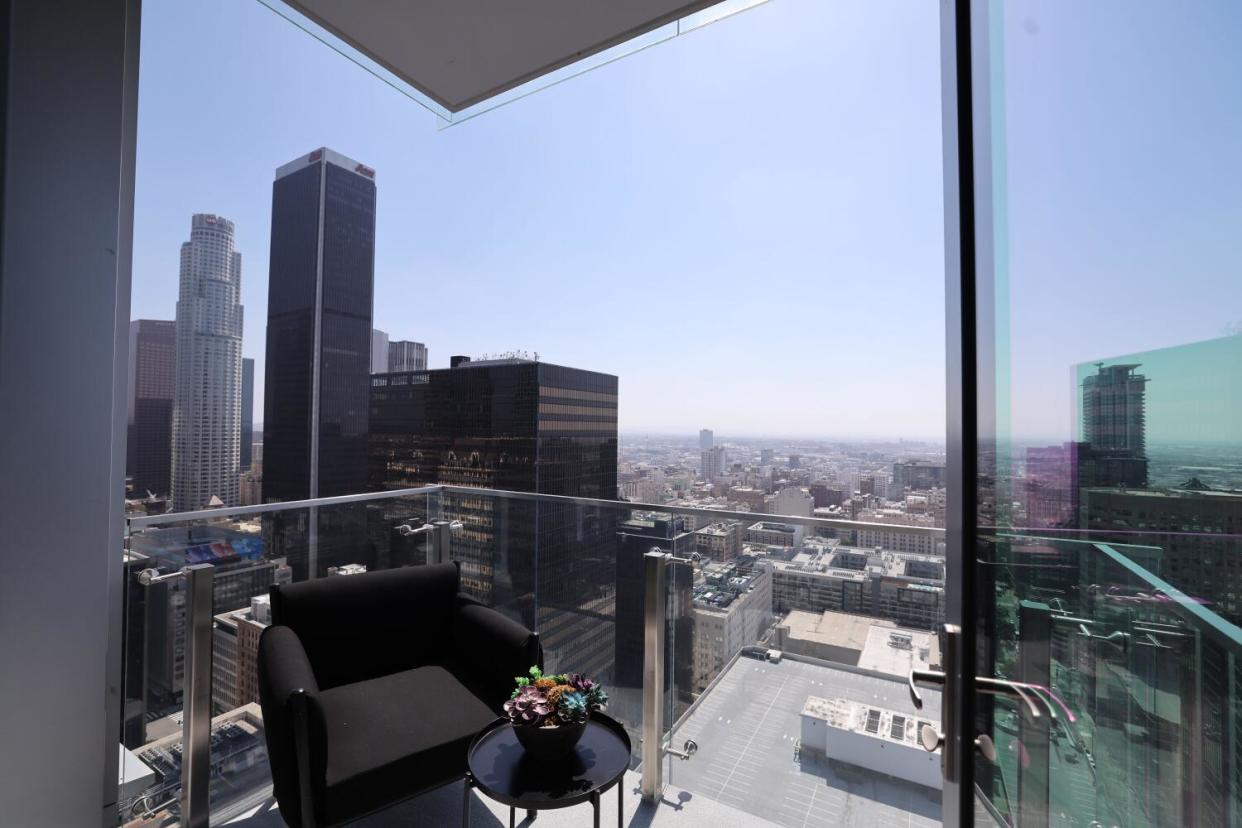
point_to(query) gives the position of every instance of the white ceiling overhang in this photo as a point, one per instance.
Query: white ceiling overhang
(461, 54)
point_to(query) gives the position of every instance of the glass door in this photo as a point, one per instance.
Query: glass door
(1096, 368)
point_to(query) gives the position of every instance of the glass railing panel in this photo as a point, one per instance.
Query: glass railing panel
(569, 569)
(574, 570)
(249, 550)
(1108, 406)
(1140, 675)
(152, 676)
(802, 635)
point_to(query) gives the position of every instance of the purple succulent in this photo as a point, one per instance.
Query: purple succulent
(529, 707)
(581, 683)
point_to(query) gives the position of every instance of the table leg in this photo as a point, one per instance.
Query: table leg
(531, 813)
(620, 804)
(465, 802)
(595, 806)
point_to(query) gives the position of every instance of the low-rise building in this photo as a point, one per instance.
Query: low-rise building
(719, 541)
(731, 611)
(774, 534)
(793, 500)
(890, 536)
(905, 588)
(754, 499)
(872, 644)
(235, 651)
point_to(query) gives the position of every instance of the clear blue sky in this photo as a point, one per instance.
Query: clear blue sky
(744, 224)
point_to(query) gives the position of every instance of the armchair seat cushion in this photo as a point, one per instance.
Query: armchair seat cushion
(395, 732)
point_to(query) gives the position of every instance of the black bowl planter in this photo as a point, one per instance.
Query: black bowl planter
(549, 743)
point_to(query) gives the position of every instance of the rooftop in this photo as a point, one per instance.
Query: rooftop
(896, 651)
(866, 720)
(747, 726)
(869, 643)
(838, 629)
(770, 526)
(722, 528)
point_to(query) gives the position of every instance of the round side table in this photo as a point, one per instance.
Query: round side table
(500, 769)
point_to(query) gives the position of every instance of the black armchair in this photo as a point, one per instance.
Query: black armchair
(373, 685)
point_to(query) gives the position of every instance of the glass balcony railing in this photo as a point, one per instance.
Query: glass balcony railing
(1139, 682)
(783, 653)
(248, 549)
(734, 586)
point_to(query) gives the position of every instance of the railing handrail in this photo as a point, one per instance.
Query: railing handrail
(144, 521)
(1178, 602)
(1184, 605)
(719, 514)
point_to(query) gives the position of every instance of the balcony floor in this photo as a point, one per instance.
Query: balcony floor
(678, 809)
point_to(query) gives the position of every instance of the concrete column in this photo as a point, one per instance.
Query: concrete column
(69, 98)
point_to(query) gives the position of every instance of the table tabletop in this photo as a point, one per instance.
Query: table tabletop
(502, 770)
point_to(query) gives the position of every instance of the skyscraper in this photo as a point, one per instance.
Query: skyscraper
(379, 352)
(320, 288)
(524, 426)
(152, 380)
(714, 462)
(405, 355)
(247, 414)
(918, 475)
(512, 424)
(206, 434)
(1114, 425)
(706, 439)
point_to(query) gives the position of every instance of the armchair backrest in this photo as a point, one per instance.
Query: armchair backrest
(359, 627)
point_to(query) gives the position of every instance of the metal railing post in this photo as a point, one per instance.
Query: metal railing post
(655, 611)
(442, 541)
(196, 699)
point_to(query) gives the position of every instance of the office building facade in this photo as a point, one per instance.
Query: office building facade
(1114, 425)
(379, 351)
(404, 355)
(524, 426)
(713, 462)
(247, 415)
(320, 292)
(152, 383)
(917, 475)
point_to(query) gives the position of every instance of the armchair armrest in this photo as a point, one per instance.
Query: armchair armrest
(293, 722)
(492, 649)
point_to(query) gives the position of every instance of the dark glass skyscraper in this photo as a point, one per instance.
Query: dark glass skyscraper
(247, 415)
(522, 426)
(152, 380)
(318, 366)
(510, 424)
(320, 289)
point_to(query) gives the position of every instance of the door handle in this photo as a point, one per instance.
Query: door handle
(1032, 698)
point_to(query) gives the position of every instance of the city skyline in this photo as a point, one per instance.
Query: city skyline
(678, 220)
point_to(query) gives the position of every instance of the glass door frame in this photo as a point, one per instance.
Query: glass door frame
(965, 45)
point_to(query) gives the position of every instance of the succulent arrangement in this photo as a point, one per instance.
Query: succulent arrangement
(553, 700)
